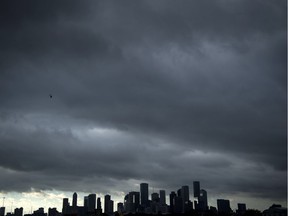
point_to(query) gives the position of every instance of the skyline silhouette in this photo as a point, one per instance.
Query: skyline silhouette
(147, 203)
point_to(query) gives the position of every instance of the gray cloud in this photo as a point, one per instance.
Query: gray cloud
(142, 91)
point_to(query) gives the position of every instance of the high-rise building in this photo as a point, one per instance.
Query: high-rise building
(223, 206)
(132, 202)
(179, 193)
(172, 201)
(185, 197)
(203, 201)
(74, 202)
(91, 202)
(155, 197)
(2, 211)
(188, 206)
(242, 207)
(120, 207)
(144, 194)
(18, 211)
(178, 207)
(185, 193)
(162, 197)
(99, 207)
(196, 188)
(111, 207)
(107, 199)
(65, 206)
(86, 202)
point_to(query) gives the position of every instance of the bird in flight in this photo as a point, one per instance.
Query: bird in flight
(50, 95)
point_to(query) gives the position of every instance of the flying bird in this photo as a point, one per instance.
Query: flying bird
(50, 95)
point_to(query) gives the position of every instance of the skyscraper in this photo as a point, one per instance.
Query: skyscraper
(120, 207)
(223, 206)
(179, 192)
(155, 197)
(107, 199)
(203, 201)
(111, 207)
(65, 206)
(185, 193)
(178, 207)
(144, 194)
(91, 202)
(99, 207)
(18, 212)
(86, 201)
(132, 201)
(2, 211)
(162, 197)
(196, 188)
(185, 197)
(74, 202)
(172, 201)
(241, 207)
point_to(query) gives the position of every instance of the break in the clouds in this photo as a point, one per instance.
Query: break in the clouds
(164, 92)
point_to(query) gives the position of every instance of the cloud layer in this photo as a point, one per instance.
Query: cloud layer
(162, 92)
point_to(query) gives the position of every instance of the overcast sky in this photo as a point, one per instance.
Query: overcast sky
(164, 92)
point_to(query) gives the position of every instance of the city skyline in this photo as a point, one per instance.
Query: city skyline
(99, 96)
(194, 192)
(137, 202)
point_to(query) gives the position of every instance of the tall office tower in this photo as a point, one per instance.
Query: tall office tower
(188, 206)
(196, 188)
(110, 207)
(172, 201)
(132, 202)
(120, 208)
(65, 206)
(179, 192)
(136, 199)
(91, 202)
(2, 211)
(185, 197)
(223, 206)
(195, 205)
(144, 194)
(126, 203)
(86, 202)
(185, 193)
(155, 197)
(107, 199)
(74, 202)
(99, 203)
(241, 206)
(178, 207)
(18, 212)
(162, 197)
(203, 201)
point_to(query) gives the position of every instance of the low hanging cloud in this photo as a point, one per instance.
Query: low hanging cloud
(150, 91)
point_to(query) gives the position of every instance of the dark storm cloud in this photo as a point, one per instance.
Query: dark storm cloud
(163, 78)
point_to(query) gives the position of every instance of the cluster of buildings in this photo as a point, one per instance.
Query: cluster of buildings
(138, 202)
